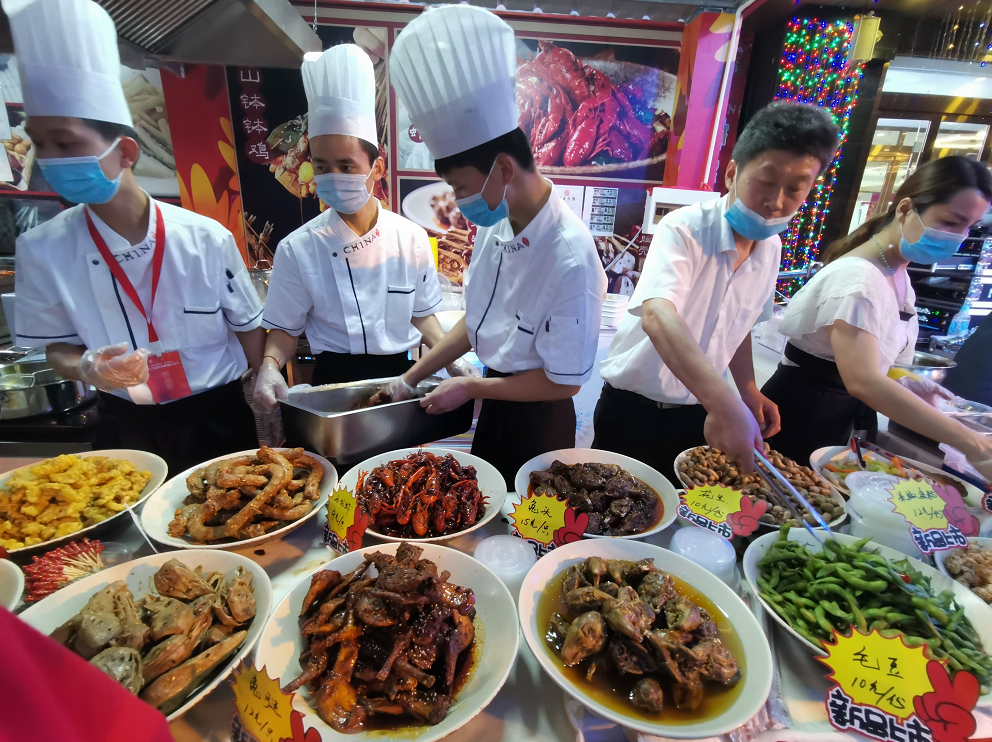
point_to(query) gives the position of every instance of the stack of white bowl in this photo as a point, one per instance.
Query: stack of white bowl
(614, 308)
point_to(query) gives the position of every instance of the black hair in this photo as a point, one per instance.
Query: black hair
(798, 128)
(483, 156)
(111, 131)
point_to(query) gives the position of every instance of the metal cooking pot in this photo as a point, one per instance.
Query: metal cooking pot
(929, 366)
(32, 388)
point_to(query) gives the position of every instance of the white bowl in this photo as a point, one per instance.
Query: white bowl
(11, 584)
(757, 659)
(143, 460)
(940, 557)
(835, 496)
(53, 611)
(491, 484)
(280, 645)
(161, 509)
(651, 477)
(975, 609)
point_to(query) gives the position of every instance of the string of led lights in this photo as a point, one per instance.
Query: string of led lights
(814, 69)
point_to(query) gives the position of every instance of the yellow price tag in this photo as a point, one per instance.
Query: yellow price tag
(341, 507)
(715, 502)
(264, 709)
(919, 504)
(537, 517)
(879, 672)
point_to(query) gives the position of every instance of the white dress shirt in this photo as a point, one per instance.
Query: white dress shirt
(66, 294)
(691, 264)
(533, 300)
(353, 294)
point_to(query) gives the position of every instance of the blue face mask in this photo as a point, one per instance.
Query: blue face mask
(751, 225)
(933, 245)
(81, 179)
(476, 210)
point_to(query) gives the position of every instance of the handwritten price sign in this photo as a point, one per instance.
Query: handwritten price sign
(722, 510)
(263, 708)
(547, 522)
(346, 522)
(937, 516)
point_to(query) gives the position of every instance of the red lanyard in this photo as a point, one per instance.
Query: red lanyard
(118, 272)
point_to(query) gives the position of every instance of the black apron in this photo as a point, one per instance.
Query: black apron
(509, 434)
(341, 368)
(816, 408)
(651, 432)
(185, 432)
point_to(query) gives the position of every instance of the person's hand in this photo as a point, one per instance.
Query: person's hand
(270, 387)
(112, 367)
(731, 427)
(929, 391)
(978, 451)
(461, 367)
(395, 390)
(764, 410)
(449, 395)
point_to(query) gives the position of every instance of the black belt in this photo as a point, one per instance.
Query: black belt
(639, 399)
(819, 370)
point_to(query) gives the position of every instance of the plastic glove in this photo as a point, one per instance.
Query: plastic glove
(929, 391)
(395, 390)
(112, 367)
(270, 387)
(461, 367)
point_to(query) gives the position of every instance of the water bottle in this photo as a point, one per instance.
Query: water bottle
(959, 325)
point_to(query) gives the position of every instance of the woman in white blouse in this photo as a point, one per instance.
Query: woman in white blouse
(856, 317)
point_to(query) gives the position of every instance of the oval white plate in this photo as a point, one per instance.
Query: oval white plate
(985, 544)
(11, 584)
(651, 477)
(143, 460)
(834, 494)
(417, 205)
(975, 609)
(53, 611)
(280, 643)
(161, 509)
(491, 484)
(757, 662)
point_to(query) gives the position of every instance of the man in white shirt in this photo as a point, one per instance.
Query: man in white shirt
(709, 274)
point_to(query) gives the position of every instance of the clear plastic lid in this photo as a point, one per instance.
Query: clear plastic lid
(870, 493)
(706, 549)
(507, 556)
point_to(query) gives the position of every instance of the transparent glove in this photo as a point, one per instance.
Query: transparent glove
(461, 367)
(395, 390)
(270, 387)
(112, 367)
(929, 391)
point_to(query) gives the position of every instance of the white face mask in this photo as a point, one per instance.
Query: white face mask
(345, 193)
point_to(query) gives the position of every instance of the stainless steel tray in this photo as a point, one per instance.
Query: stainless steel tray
(324, 420)
(44, 394)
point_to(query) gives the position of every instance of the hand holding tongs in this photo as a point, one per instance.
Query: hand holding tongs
(786, 503)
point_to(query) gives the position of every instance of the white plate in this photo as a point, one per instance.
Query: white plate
(757, 659)
(651, 477)
(11, 584)
(984, 544)
(491, 484)
(975, 608)
(417, 205)
(53, 611)
(280, 643)
(161, 509)
(143, 460)
(834, 494)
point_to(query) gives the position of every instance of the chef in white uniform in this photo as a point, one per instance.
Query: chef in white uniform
(535, 285)
(358, 279)
(148, 302)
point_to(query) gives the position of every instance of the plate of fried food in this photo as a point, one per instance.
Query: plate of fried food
(239, 500)
(168, 629)
(400, 640)
(971, 566)
(73, 496)
(426, 495)
(646, 638)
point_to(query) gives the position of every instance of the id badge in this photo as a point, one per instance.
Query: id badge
(167, 377)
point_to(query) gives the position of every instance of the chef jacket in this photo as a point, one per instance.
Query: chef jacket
(353, 294)
(691, 263)
(533, 300)
(66, 294)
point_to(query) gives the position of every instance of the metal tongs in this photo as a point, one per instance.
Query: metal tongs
(785, 501)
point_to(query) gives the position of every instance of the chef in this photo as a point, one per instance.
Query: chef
(148, 302)
(359, 279)
(535, 285)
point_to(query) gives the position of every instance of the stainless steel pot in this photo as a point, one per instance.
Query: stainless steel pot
(31, 388)
(929, 366)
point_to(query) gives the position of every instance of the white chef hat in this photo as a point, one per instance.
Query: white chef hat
(455, 70)
(68, 59)
(340, 87)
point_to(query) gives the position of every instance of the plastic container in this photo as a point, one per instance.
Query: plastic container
(709, 551)
(872, 514)
(509, 557)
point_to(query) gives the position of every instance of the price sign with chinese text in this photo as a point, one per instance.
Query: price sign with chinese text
(723, 510)
(937, 516)
(547, 522)
(346, 522)
(262, 708)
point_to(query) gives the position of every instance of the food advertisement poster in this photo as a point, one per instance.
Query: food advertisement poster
(156, 168)
(623, 248)
(431, 204)
(589, 109)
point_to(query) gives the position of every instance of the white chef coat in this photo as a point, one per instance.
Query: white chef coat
(353, 294)
(691, 263)
(533, 300)
(66, 294)
(856, 291)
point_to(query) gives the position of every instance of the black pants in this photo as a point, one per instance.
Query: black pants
(635, 426)
(184, 432)
(509, 434)
(341, 368)
(815, 406)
